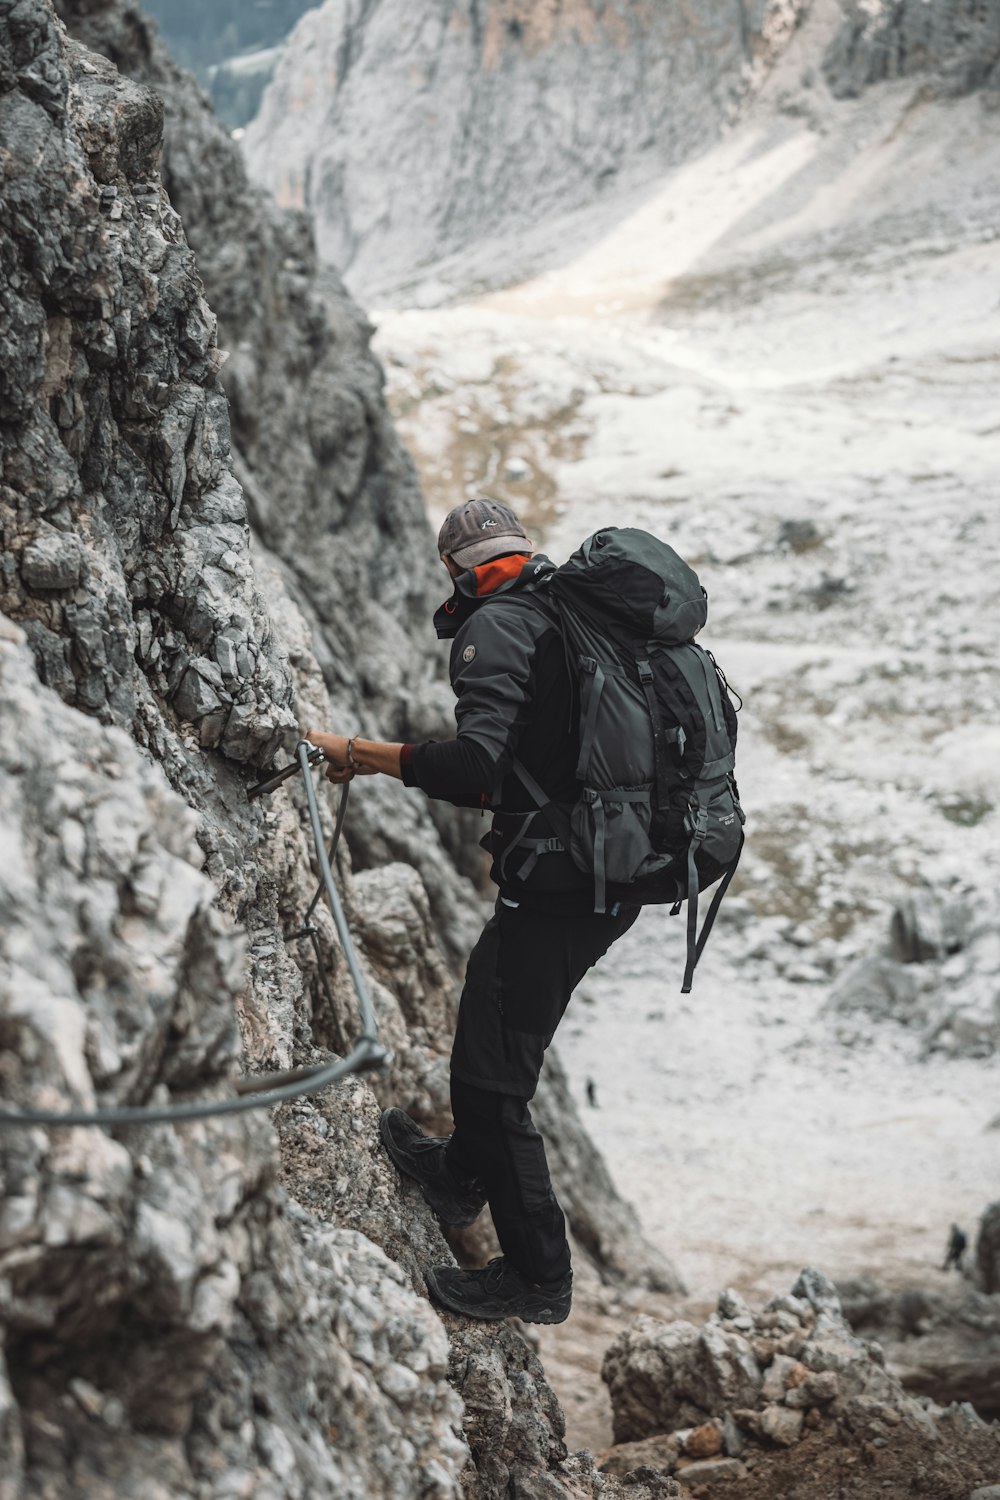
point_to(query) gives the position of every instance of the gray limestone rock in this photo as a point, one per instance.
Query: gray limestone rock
(812, 1290)
(174, 1322)
(838, 1389)
(127, 415)
(658, 1373)
(879, 987)
(939, 977)
(941, 1344)
(53, 560)
(923, 927)
(988, 1249)
(955, 42)
(163, 1321)
(734, 1440)
(732, 1308)
(780, 1425)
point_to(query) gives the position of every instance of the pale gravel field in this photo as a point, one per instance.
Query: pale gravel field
(803, 326)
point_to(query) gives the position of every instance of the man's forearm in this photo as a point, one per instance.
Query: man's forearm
(377, 755)
(459, 771)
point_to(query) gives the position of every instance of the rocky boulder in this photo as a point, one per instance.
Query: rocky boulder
(937, 975)
(988, 1250)
(727, 1400)
(942, 1343)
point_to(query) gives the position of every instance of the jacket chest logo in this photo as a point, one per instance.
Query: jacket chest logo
(468, 653)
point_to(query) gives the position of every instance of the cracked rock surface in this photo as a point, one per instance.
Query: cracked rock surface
(172, 1325)
(232, 1307)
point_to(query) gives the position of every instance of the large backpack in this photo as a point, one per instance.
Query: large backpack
(658, 816)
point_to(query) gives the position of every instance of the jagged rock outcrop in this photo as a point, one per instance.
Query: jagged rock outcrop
(169, 1329)
(110, 386)
(945, 1345)
(988, 1250)
(939, 974)
(789, 1400)
(330, 493)
(341, 541)
(410, 132)
(174, 1322)
(957, 42)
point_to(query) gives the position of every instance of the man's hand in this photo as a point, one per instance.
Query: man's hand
(370, 756)
(334, 748)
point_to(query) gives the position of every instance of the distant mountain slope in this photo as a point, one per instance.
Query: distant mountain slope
(201, 35)
(409, 132)
(959, 40)
(412, 135)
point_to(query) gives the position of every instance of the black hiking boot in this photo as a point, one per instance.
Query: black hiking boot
(422, 1157)
(498, 1291)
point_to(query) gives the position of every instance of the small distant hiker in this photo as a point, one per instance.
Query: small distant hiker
(591, 1093)
(528, 730)
(958, 1243)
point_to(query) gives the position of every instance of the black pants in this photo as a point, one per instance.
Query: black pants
(518, 982)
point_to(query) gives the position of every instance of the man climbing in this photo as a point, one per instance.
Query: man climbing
(514, 696)
(958, 1243)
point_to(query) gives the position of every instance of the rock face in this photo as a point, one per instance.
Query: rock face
(945, 1345)
(110, 385)
(222, 1308)
(938, 976)
(163, 1314)
(988, 1250)
(410, 132)
(792, 1375)
(957, 41)
(331, 495)
(342, 545)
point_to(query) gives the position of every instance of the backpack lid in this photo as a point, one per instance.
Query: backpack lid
(633, 579)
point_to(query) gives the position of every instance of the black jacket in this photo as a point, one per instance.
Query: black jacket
(515, 696)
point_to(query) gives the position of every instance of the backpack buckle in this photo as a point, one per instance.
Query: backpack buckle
(696, 823)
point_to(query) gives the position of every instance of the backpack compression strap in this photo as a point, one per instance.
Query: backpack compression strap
(555, 814)
(695, 949)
